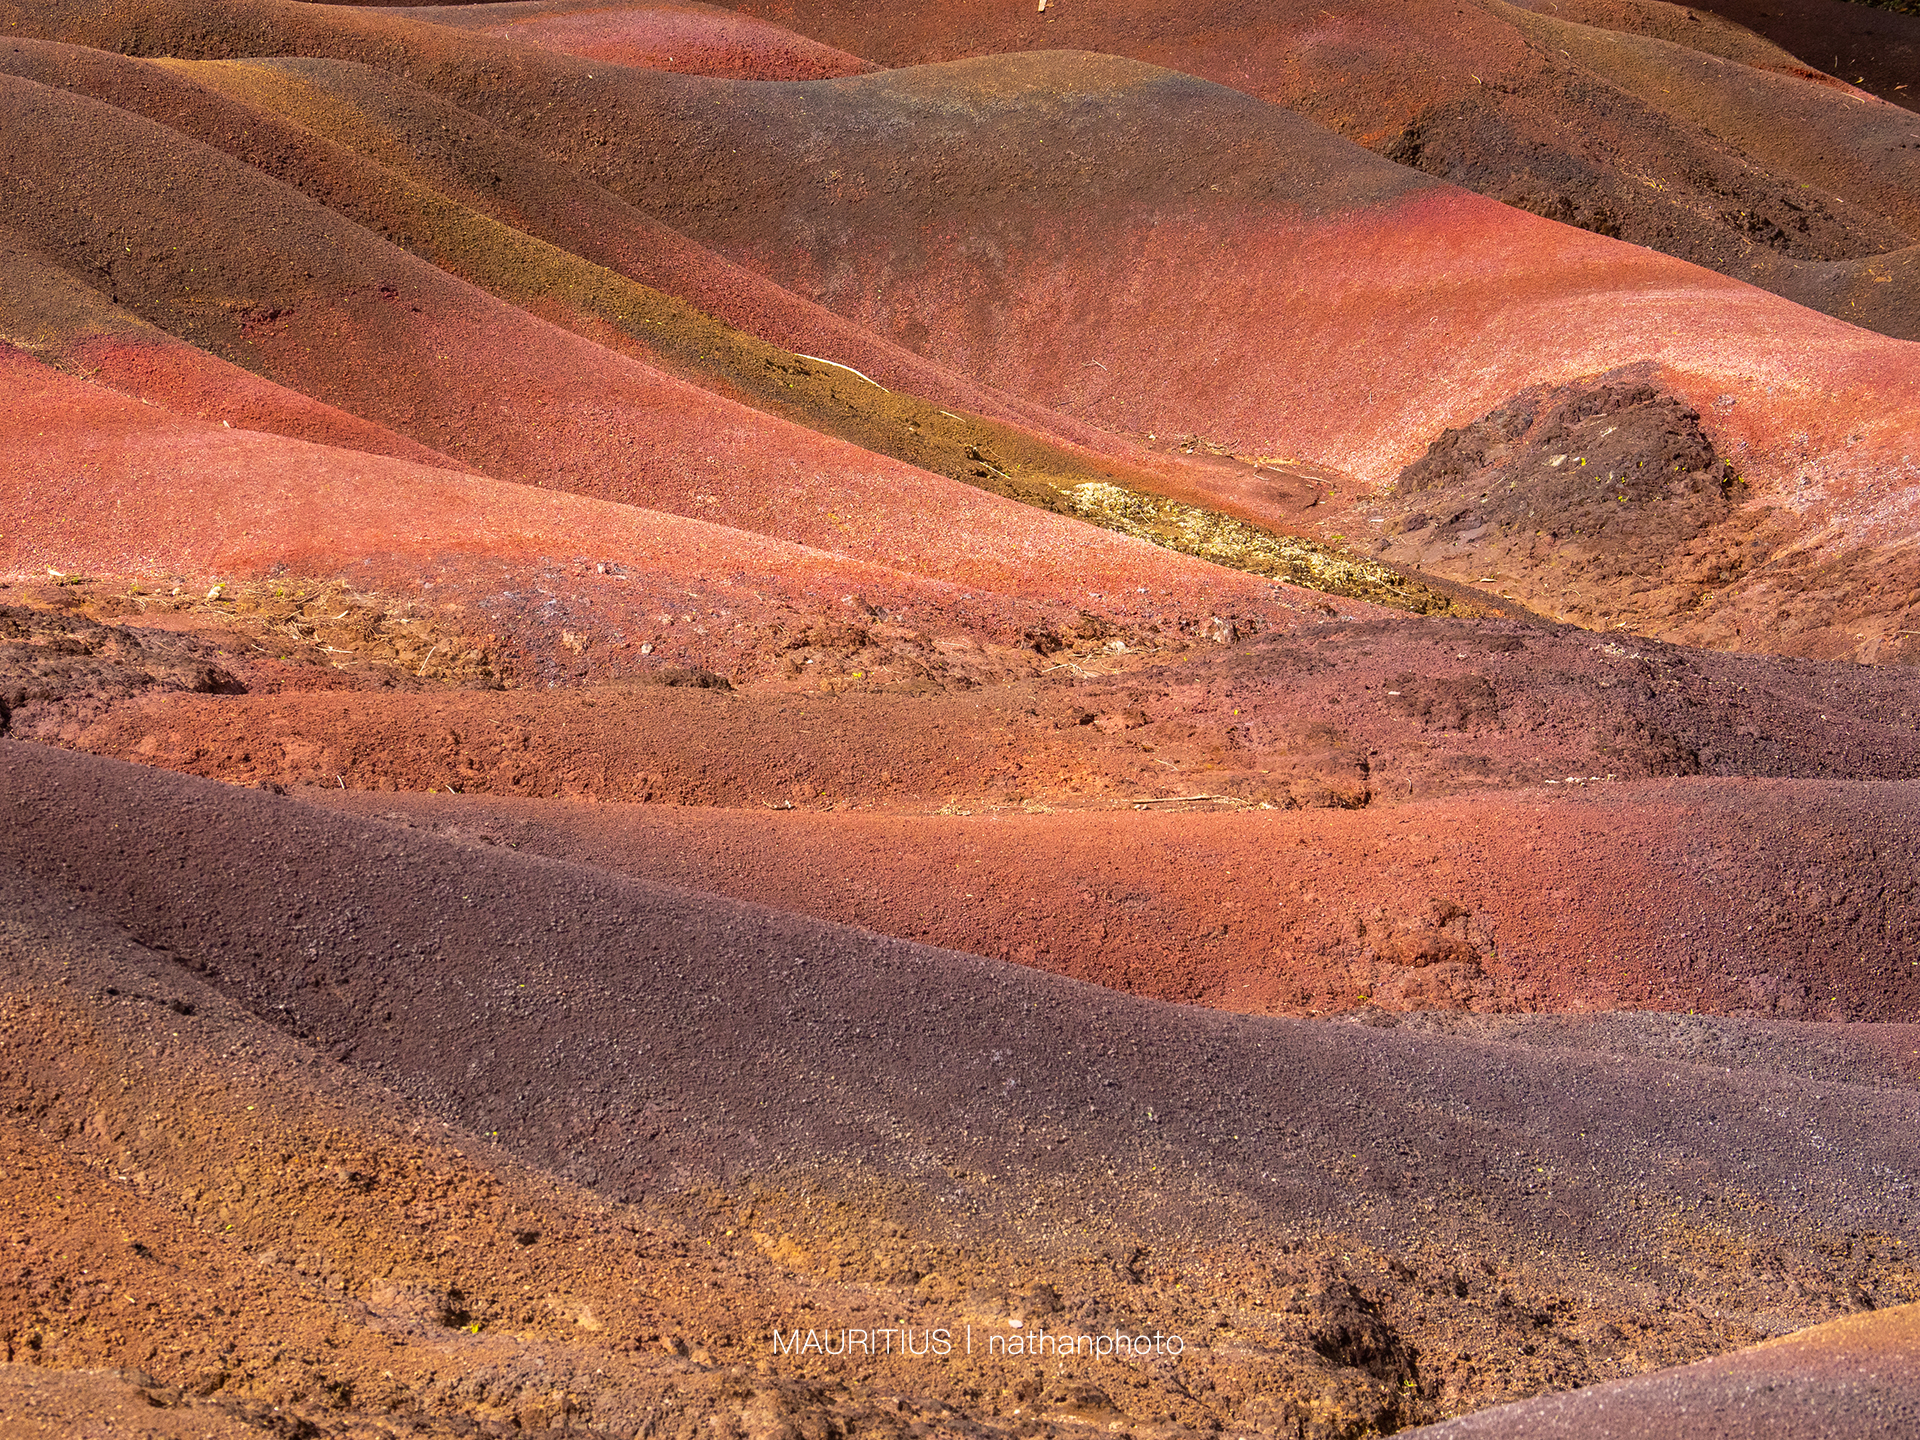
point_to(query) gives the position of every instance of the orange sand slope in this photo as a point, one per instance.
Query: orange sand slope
(228, 1095)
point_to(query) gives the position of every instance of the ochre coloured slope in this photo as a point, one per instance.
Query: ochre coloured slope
(1396, 298)
(1401, 315)
(410, 134)
(689, 39)
(391, 124)
(274, 326)
(1858, 1377)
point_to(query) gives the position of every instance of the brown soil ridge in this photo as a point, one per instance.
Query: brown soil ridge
(582, 587)
(1718, 897)
(374, 148)
(1557, 109)
(1320, 714)
(688, 39)
(1603, 502)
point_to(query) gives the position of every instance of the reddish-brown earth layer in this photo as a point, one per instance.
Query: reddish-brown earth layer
(1812, 415)
(1652, 122)
(1770, 898)
(575, 583)
(387, 161)
(1050, 1121)
(1466, 297)
(545, 403)
(1873, 47)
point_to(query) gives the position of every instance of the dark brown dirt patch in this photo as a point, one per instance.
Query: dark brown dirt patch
(1612, 478)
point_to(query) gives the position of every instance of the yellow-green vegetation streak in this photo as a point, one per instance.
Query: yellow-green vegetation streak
(1241, 546)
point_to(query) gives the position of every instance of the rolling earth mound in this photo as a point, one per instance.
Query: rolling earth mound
(1328, 244)
(1322, 246)
(1443, 905)
(1655, 123)
(1000, 1100)
(687, 39)
(1217, 702)
(534, 567)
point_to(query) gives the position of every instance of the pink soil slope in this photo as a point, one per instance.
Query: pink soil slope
(105, 484)
(689, 39)
(1858, 1378)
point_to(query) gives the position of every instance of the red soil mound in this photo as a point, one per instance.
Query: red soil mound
(1719, 897)
(1560, 111)
(387, 164)
(689, 39)
(1345, 247)
(1559, 118)
(584, 417)
(1858, 1377)
(575, 586)
(1469, 299)
(54, 317)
